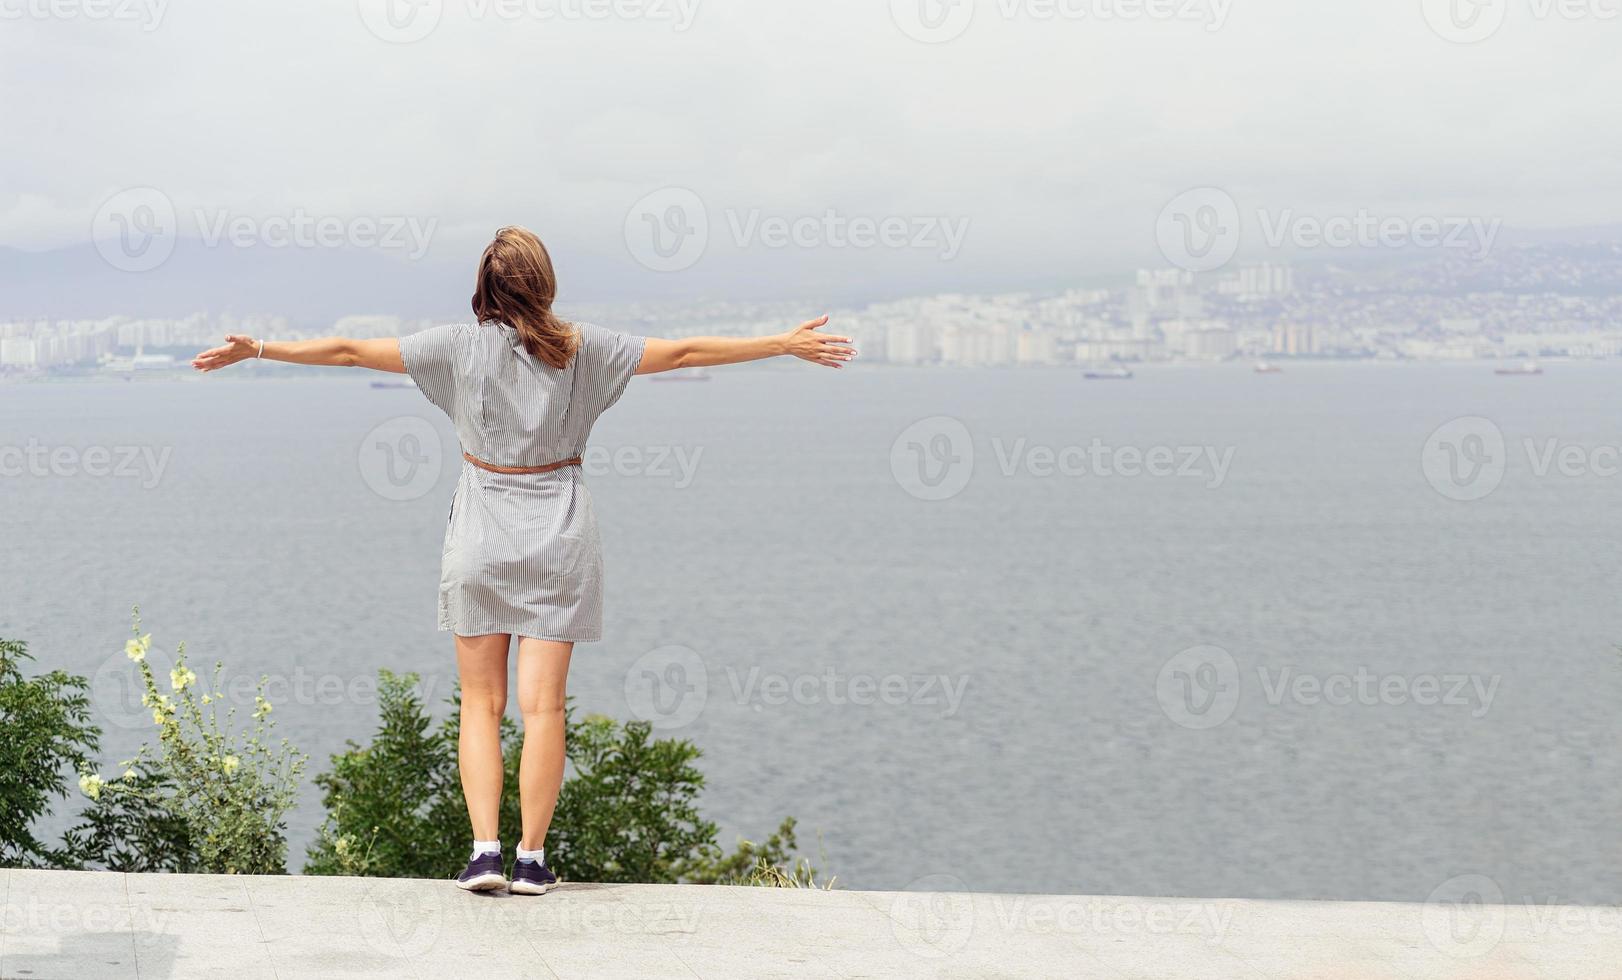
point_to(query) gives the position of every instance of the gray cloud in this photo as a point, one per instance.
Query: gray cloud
(1058, 140)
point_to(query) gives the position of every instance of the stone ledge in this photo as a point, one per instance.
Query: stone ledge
(76, 925)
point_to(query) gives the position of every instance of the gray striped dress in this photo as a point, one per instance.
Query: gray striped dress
(521, 552)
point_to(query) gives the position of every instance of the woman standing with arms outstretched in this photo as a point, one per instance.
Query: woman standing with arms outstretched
(521, 557)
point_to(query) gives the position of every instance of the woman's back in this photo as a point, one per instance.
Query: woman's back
(509, 407)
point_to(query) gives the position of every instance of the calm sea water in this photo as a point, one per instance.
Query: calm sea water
(1311, 675)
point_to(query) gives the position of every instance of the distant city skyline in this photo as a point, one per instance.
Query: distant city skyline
(1524, 302)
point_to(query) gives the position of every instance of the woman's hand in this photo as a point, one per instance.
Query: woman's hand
(805, 343)
(238, 347)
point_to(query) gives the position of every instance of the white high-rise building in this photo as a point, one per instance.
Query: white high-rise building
(18, 352)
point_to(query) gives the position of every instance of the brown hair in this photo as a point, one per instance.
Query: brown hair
(516, 286)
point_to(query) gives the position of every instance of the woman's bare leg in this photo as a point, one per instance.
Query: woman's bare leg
(543, 672)
(481, 662)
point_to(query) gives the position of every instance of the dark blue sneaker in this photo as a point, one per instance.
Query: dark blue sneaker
(531, 878)
(483, 874)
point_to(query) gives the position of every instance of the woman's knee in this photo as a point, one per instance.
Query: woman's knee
(542, 706)
(487, 701)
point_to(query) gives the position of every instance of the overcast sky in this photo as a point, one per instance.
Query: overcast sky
(1014, 150)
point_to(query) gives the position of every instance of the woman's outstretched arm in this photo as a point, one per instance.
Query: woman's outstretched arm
(803, 342)
(382, 354)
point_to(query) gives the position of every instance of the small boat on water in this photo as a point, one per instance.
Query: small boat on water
(1263, 367)
(1107, 374)
(394, 384)
(1527, 367)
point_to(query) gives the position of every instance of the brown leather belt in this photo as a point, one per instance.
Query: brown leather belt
(521, 470)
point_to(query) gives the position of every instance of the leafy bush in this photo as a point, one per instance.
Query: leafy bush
(395, 807)
(769, 865)
(627, 810)
(45, 734)
(131, 830)
(210, 798)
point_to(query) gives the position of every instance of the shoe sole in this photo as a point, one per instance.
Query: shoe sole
(482, 883)
(527, 888)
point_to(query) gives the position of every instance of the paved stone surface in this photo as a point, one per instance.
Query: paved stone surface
(78, 925)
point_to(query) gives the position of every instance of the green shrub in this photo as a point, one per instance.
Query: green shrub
(45, 734)
(395, 806)
(627, 810)
(770, 865)
(133, 830)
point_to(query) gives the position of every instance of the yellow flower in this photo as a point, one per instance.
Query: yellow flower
(230, 763)
(341, 845)
(261, 707)
(90, 784)
(136, 649)
(180, 677)
(131, 774)
(157, 716)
